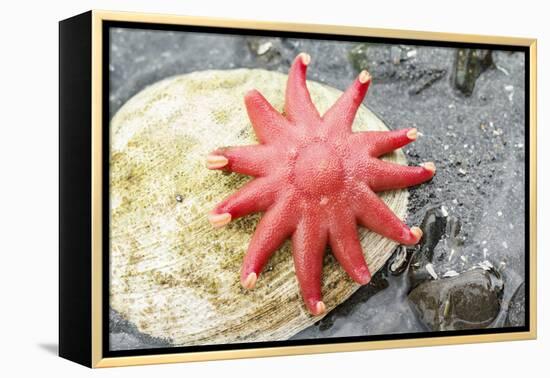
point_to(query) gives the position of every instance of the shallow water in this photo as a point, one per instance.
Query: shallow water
(386, 312)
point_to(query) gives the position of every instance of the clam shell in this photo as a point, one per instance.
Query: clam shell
(172, 274)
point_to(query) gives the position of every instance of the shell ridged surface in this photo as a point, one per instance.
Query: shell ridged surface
(172, 274)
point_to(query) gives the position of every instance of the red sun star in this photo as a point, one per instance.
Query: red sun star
(315, 180)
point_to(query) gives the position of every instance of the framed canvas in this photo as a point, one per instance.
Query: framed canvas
(235, 189)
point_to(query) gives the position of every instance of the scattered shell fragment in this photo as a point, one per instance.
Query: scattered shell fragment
(450, 273)
(431, 270)
(264, 47)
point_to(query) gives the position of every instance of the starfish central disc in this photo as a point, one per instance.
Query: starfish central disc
(315, 181)
(318, 170)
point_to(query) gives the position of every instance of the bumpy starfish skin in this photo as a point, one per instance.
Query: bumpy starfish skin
(315, 180)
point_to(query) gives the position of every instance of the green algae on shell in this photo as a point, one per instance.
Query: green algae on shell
(172, 274)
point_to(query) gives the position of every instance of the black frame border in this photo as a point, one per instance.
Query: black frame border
(75, 192)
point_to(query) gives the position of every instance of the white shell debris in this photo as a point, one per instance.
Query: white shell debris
(486, 265)
(450, 273)
(431, 270)
(451, 254)
(503, 70)
(509, 88)
(264, 47)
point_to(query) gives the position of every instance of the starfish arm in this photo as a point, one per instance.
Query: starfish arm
(272, 230)
(253, 160)
(379, 143)
(298, 105)
(375, 215)
(257, 195)
(389, 176)
(308, 247)
(346, 247)
(339, 117)
(267, 122)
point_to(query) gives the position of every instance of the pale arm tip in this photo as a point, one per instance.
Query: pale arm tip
(219, 220)
(319, 309)
(364, 77)
(430, 166)
(250, 281)
(305, 57)
(412, 134)
(214, 161)
(417, 233)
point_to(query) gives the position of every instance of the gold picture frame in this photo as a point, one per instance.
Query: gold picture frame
(89, 324)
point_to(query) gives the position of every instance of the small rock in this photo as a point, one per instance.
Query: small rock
(469, 65)
(433, 226)
(358, 57)
(266, 49)
(373, 57)
(470, 300)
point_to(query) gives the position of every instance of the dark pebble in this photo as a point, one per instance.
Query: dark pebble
(470, 300)
(434, 226)
(469, 65)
